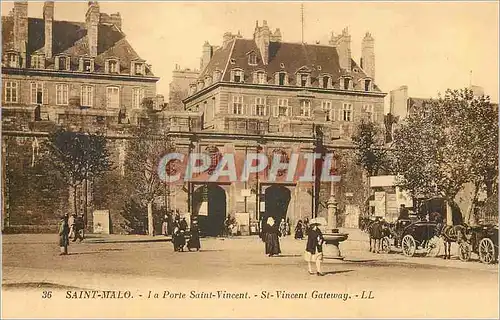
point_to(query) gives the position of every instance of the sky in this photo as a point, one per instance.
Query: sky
(428, 46)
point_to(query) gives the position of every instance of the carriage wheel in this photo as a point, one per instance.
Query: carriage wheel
(486, 251)
(464, 251)
(386, 245)
(433, 247)
(409, 245)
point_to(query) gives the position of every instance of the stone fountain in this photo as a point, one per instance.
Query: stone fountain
(331, 233)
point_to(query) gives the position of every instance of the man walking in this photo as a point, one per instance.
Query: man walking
(64, 235)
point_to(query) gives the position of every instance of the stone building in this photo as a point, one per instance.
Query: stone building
(273, 96)
(179, 87)
(80, 75)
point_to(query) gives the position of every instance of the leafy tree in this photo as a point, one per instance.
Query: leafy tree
(444, 144)
(370, 152)
(148, 145)
(79, 157)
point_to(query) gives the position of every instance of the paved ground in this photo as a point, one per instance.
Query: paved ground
(401, 286)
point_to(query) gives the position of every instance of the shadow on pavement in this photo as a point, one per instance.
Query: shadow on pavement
(338, 272)
(38, 285)
(128, 241)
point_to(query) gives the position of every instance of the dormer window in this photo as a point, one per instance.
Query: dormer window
(282, 65)
(237, 76)
(208, 81)
(282, 81)
(303, 80)
(217, 75)
(260, 77)
(319, 68)
(86, 65)
(62, 63)
(325, 82)
(252, 59)
(138, 68)
(232, 61)
(112, 66)
(345, 83)
(37, 61)
(13, 60)
(368, 84)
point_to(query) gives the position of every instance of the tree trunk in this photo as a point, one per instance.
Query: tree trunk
(449, 214)
(85, 218)
(75, 207)
(150, 219)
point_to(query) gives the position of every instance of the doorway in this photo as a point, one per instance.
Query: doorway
(211, 224)
(277, 199)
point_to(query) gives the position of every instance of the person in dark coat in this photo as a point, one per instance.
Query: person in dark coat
(194, 240)
(272, 237)
(183, 225)
(64, 235)
(178, 239)
(299, 230)
(314, 247)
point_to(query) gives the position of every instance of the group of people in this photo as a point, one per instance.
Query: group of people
(70, 226)
(179, 234)
(271, 232)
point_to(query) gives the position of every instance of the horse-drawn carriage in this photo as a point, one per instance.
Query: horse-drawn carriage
(481, 240)
(414, 235)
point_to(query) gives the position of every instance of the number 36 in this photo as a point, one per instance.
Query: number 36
(46, 294)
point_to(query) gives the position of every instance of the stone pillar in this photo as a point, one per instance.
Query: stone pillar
(332, 213)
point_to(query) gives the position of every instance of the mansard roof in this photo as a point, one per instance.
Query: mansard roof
(70, 38)
(283, 57)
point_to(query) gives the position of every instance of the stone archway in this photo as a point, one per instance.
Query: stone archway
(277, 200)
(211, 224)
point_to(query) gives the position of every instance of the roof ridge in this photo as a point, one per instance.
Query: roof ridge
(229, 58)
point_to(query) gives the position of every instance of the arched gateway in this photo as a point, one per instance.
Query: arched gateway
(211, 221)
(277, 199)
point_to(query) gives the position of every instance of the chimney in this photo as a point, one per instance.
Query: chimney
(368, 55)
(116, 19)
(262, 37)
(226, 38)
(48, 18)
(21, 28)
(92, 22)
(206, 55)
(276, 36)
(343, 44)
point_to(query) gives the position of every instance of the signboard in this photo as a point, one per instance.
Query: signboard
(101, 221)
(203, 209)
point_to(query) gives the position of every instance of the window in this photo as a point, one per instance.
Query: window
(36, 62)
(319, 68)
(237, 105)
(282, 65)
(368, 109)
(347, 112)
(347, 83)
(367, 85)
(113, 97)
(283, 108)
(305, 108)
(62, 63)
(282, 78)
(13, 59)
(87, 96)
(232, 61)
(327, 107)
(36, 93)
(260, 106)
(261, 78)
(326, 80)
(113, 66)
(252, 59)
(87, 65)
(238, 76)
(62, 94)
(138, 68)
(11, 93)
(303, 80)
(137, 97)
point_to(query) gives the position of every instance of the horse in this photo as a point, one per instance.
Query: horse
(449, 234)
(377, 230)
